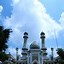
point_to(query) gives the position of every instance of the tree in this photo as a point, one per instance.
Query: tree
(60, 52)
(3, 56)
(4, 36)
(60, 59)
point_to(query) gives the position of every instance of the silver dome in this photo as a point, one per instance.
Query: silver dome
(34, 45)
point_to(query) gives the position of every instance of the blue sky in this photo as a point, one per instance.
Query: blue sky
(33, 16)
(54, 7)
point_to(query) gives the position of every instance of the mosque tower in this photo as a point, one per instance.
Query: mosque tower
(25, 49)
(43, 48)
(25, 40)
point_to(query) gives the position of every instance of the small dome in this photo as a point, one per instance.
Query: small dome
(34, 45)
(42, 33)
(25, 33)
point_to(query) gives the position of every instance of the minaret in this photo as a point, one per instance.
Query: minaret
(42, 40)
(43, 48)
(25, 40)
(25, 49)
(16, 53)
(52, 53)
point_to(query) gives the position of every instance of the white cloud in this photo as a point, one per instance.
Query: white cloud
(31, 14)
(1, 9)
(14, 2)
(62, 20)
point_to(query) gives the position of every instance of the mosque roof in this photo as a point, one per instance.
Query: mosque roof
(34, 45)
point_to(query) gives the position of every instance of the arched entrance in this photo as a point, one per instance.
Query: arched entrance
(35, 63)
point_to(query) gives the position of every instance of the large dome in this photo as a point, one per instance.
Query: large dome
(34, 45)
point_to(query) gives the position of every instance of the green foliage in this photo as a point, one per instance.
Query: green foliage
(3, 56)
(4, 36)
(61, 62)
(60, 52)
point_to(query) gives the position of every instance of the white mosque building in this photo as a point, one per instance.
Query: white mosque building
(35, 54)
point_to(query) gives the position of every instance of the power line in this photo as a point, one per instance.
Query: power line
(56, 39)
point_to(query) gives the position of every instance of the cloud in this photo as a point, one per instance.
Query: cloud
(14, 2)
(61, 20)
(27, 15)
(30, 16)
(1, 9)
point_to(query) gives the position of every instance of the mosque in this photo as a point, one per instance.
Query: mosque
(35, 54)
